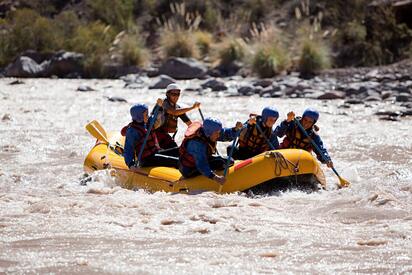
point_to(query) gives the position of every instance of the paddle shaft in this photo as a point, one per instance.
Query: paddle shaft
(152, 121)
(314, 145)
(201, 114)
(265, 137)
(231, 152)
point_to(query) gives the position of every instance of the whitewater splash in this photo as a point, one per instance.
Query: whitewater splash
(54, 221)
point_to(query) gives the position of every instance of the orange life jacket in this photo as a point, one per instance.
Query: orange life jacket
(296, 139)
(251, 138)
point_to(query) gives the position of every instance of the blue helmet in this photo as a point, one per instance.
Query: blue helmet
(211, 125)
(312, 113)
(269, 111)
(137, 111)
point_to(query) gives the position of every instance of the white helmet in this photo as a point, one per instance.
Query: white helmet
(172, 86)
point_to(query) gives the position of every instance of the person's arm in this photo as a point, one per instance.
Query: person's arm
(179, 111)
(132, 136)
(229, 134)
(199, 152)
(318, 141)
(185, 119)
(274, 140)
(281, 129)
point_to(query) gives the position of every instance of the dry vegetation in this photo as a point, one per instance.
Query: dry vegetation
(268, 36)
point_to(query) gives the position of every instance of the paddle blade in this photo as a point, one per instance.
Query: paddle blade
(343, 183)
(97, 131)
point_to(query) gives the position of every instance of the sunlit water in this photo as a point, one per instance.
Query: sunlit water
(49, 222)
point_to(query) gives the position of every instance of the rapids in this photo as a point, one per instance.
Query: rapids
(51, 223)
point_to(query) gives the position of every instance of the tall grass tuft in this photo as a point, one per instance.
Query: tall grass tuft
(204, 41)
(117, 13)
(314, 57)
(269, 60)
(231, 49)
(178, 43)
(176, 36)
(94, 41)
(128, 49)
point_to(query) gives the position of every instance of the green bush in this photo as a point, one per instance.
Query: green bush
(269, 61)
(353, 32)
(132, 51)
(94, 41)
(117, 13)
(314, 58)
(230, 50)
(204, 41)
(178, 43)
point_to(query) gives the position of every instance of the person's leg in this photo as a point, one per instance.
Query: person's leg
(188, 172)
(218, 163)
(164, 139)
(235, 154)
(244, 153)
(160, 160)
(173, 152)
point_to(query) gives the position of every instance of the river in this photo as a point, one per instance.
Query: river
(51, 223)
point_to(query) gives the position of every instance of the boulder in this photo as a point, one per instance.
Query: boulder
(246, 90)
(163, 82)
(183, 68)
(332, 95)
(227, 69)
(214, 85)
(36, 56)
(63, 64)
(403, 97)
(85, 88)
(23, 66)
(263, 83)
(353, 101)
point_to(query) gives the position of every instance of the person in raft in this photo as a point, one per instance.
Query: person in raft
(135, 133)
(253, 139)
(199, 145)
(169, 112)
(295, 138)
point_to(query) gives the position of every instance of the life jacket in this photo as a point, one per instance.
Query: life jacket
(251, 138)
(194, 132)
(296, 139)
(167, 122)
(152, 145)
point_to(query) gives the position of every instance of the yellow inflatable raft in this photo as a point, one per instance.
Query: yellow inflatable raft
(264, 172)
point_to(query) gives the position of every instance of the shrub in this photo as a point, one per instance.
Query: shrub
(132, 50)
(117, 13)
(314, 57)
(353, 32)
(178, 43)
(230, 50)
(269, 61)
(93, 40)
(204, 41)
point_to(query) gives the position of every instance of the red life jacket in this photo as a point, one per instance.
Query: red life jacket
(296, 139)
(152, 145)
(194, 132)
(251, 138)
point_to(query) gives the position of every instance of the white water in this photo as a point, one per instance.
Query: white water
(51, 223)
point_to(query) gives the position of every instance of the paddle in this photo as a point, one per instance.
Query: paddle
(152, 121)
(342, 181)
(97, 131)
(265, 137)
(201, 114)
(229, 157)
